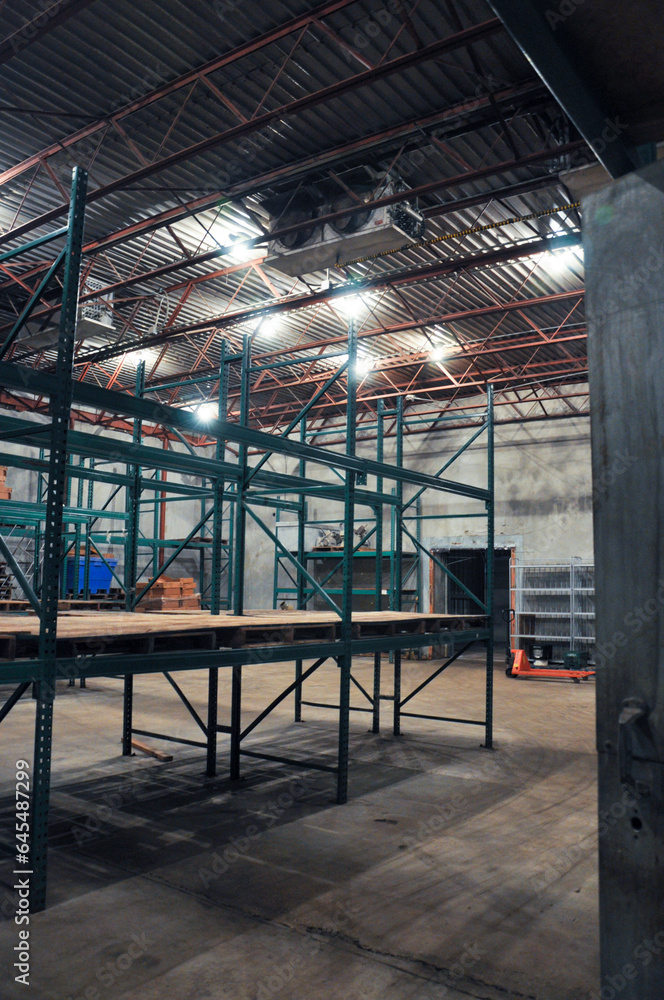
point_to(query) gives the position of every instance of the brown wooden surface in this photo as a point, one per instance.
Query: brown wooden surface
(95, 624)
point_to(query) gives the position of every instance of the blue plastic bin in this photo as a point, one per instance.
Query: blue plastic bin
(100, 574)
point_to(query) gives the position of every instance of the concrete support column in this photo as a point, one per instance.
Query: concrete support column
(624, 257)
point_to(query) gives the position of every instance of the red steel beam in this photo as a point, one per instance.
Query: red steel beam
(181, 212)
(205, 69)
(466, 352)
(398, 65)
(577, 367)
(44, 22)
(302, 301)
(461, 409)
(378, 331)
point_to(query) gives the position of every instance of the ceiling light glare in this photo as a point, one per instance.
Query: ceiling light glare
(268, 326)
(353, 306)
(145, 354)
(437, 353)
(235, 244)
(206, 412)
(364, 364)
(240, 251)
(561, 260)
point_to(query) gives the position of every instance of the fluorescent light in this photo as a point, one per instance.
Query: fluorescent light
(206, 412)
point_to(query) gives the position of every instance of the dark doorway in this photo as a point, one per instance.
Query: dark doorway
(469, 567)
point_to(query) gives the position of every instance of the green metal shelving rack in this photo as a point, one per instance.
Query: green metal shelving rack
(244, 488)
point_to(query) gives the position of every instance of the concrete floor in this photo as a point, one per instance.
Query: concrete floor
(453, 872)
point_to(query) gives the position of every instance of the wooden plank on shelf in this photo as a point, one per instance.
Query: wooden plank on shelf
(89, 632)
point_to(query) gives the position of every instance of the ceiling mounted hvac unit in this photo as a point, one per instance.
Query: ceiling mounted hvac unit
(94, 325)
(317, 245)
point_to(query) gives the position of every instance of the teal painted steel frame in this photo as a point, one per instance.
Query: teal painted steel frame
(242, 485)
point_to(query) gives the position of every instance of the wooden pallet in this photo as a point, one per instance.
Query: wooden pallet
(68, 604)
(85, 633)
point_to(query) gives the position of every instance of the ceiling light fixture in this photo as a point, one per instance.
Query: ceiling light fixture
(352, 306)
(269, 325)
(206, 412)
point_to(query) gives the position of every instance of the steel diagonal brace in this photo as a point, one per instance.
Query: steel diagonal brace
(303, 412)
(13, 699)
(106, 563)
(31, 304)
(445, 570)
(435, 674)
(185, 701)
(174, 555)
(20, 576)
(454, 457)
(284, 694)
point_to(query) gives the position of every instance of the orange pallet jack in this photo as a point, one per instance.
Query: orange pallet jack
(520, 666)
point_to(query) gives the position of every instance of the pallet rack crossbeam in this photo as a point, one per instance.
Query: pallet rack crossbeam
(31, 380)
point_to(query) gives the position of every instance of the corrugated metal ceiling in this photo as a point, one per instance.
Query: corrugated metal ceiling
(113, 53)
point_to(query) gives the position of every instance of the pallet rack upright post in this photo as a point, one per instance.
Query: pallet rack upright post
(59, 408)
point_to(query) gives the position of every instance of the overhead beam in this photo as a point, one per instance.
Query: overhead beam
(45, 22)
(577, 95)
(385, 331)
(463, 111)
(185, 80)
(302, 301)
(436, 49)
(557, 368)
